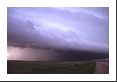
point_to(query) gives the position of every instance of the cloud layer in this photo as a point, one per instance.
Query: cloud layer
(84, 28)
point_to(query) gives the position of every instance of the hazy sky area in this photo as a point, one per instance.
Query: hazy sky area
(74, 28)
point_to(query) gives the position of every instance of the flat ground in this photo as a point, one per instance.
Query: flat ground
(52, 67)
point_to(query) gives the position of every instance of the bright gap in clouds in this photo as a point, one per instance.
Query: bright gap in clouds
(75, 28)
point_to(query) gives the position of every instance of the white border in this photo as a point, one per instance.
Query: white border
(58, 3)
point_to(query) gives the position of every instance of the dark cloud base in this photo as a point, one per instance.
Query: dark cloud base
(62, 55)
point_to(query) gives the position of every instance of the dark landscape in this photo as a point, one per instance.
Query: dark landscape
(52, 67)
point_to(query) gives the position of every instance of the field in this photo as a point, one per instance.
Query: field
(52, 67)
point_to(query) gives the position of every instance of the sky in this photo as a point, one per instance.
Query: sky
(72, 28)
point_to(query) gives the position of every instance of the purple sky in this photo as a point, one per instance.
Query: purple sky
(75, 28)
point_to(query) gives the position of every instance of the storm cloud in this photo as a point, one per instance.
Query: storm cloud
(65, 28)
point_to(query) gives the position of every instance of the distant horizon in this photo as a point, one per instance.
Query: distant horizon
(103, 59)
(29, 53)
